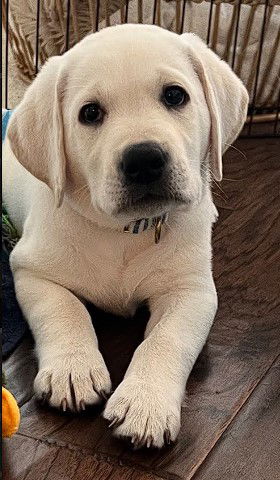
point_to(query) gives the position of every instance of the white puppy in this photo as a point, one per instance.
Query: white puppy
(119, 135)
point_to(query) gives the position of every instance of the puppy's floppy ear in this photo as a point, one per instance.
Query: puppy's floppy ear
(35, 131)
(225, 95)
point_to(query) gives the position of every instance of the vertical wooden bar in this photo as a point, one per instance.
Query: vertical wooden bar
(97, 10)
(258, 65)
(67, 34)
(140, 11)
(183, 16)
(37, 44)
(209, 22)
(126, 11)
(236, 34)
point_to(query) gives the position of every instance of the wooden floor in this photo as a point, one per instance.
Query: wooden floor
(231, 412)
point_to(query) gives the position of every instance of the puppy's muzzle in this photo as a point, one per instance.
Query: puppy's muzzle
(143, 163)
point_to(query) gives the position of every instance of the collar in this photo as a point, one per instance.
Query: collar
(138, 226)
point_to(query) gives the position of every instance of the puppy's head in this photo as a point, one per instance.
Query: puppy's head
(131, 122)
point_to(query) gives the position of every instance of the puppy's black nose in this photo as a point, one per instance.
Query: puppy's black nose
(143, 163)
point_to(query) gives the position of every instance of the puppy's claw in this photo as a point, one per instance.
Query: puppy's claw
(149, 441)
(133, 439)
(118, 421)
(82, 405)
(64, 405)
(113, 423)
(45, 397)
(103, 394)
(136, 442)
(167, 437)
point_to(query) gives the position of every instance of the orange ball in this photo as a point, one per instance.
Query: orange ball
(10, 414)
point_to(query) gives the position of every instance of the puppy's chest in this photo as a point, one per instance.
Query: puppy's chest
(108, 274)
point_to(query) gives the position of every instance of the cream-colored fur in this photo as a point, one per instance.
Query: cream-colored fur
(63, 192)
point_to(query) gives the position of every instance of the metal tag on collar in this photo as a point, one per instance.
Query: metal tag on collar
(158, 226)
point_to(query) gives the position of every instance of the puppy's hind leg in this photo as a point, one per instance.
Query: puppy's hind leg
(72, 372)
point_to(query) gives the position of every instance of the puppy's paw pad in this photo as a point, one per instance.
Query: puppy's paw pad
(142, 415)
(73, 382)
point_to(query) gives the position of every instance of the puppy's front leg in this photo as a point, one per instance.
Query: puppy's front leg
(72, 372)
(146, 406)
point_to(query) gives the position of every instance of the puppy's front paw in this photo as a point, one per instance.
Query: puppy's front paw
(73, 381)
(147, 416)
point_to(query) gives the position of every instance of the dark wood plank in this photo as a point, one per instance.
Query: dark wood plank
(250, 448)
(28, 459)
(23, 455)
(243, 344)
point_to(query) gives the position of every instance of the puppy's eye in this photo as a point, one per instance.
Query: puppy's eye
(91, 113)
(175, 96)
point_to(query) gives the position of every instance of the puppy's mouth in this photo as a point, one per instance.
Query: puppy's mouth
(149, 203)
